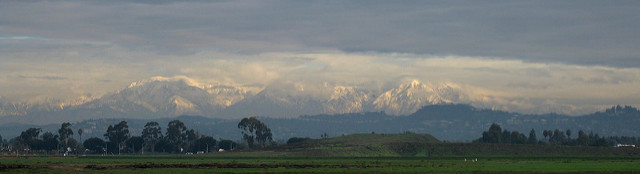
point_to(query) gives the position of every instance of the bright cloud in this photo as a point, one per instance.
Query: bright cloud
(552, 56)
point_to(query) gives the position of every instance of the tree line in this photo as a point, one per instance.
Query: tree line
(496, 134)
(176, 138)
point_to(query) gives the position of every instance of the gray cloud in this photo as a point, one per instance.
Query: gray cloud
(573, 32)
(43, 77)
(566, 51)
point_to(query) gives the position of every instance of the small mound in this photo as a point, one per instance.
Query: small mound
(379, 139)
(358, 145)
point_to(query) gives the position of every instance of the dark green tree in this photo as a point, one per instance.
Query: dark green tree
(65, 132)
(493, 135)
(28, 138)
(95, 145)
(227, 144)
(80, 134)
(118, 134)
(532, 137)
(506, 136)
(135, 143)
(568, 132)
(546, 134)
(255, 131)
(176, 135)
(49, 141)
(151, 134)
(2, 141)
(190, 142)
(205, 143)
(583, 138)
(518, 138)
(163, 145)
(558, 137)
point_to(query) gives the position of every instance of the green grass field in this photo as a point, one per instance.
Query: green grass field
(214, 164)
(360, 153)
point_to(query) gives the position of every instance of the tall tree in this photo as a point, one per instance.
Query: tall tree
(255, 131)
(118, 134)
(532, 137)
(151, 134)
(205, 143)
(95, 145)
(518, 138)
(28, 139)
(65, 132)
(558, 136)
(136, 143)
(192, 137)
(80, 134)
(49, 141)
(506, 136)
(547, 134)
(227, 144)
(493, 135)
(583, 138)
(568, 134)
(176, 135)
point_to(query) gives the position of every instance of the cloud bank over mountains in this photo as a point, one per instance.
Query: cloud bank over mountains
(160, 97)
(531, 57)
(490, 82)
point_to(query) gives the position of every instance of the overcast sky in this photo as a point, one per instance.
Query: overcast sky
(578, 54)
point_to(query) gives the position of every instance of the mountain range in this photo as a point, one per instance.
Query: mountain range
(162, 97)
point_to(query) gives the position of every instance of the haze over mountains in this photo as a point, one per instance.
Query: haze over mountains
(298, 109)
(160, 97)
(163, 97)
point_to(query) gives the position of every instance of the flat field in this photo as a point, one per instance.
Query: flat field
(217, 164)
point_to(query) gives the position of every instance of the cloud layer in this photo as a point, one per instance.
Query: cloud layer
(537, 55)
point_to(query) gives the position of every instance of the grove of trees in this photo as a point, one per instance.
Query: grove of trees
(177, 138)
(495, 134)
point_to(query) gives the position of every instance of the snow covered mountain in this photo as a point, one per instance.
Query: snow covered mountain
(411, 96)
(168, 97)
(22, 108)
(290, 99)
(347, 99)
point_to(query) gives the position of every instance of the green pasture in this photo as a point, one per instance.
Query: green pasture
(361, 153)
(215, 164)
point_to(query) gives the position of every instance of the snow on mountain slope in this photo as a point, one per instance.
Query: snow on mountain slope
(23, 108)
(411, 96)
(277, 100)
(172, 96)
(290, 99)
(162, 97)
(347, 99)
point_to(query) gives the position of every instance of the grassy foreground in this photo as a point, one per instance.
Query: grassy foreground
(213, 164)
(360, 153)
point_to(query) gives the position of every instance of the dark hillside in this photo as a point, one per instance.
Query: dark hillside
(356, 145)
(425, 145)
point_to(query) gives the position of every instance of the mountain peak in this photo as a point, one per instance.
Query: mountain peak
(415, 83)
(411, 96)
(183, 79)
